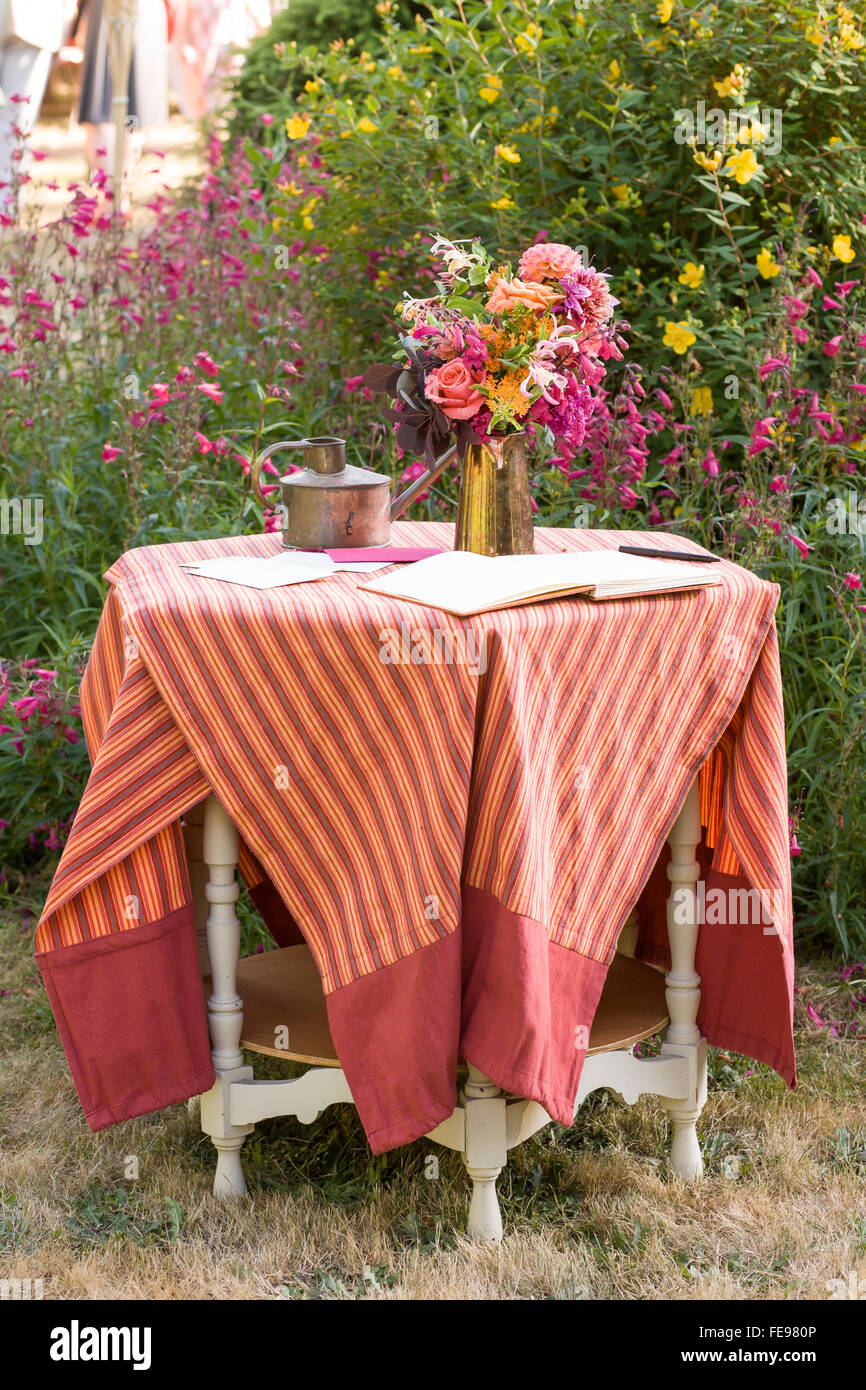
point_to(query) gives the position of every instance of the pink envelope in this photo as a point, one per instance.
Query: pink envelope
(390, 554)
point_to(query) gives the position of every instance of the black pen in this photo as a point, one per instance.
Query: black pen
(669, 554)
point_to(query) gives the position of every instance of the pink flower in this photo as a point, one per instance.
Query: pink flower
(794, 847)
(851, 580)
(796, 307)
(353, 383)
(774, 364)
(109, 453)
(213, 392)
(801, 545)
(832, 346)
(410, 475)
(161, 392)
(25, 707)
(664, 398)
(454, 390)
(206, 363)
(71, 735)
(267, 118)
(778, 483)
(205, 445)
(548, 261)
(710, 464)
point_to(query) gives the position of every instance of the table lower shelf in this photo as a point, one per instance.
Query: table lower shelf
(283, 1002)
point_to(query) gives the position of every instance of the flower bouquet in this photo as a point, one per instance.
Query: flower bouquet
(494, 354)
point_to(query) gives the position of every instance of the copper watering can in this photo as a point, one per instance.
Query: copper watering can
(329, 504)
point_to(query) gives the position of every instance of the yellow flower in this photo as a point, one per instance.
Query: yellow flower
(750, 134)
(620, 192)
(502, 203)
(815, 35)
(710, 162)
(768, 267)
(664, 10)
(848, 37)
(679, 336)
(734, 83)
(396, 72)
(297, 126)
(614, 71)
(702, 400)
(366, 126)
(509, 153)
(491, 87)
(291, 188)
(842, 248)
(692, 275)
(311, 86)
(836, 140)
(307, 224)
(743, 166)
(424, 48)
(528, 41)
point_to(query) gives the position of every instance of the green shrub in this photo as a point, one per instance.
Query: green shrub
(303, 24)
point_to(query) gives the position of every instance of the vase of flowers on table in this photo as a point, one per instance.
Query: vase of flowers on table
(488, 361)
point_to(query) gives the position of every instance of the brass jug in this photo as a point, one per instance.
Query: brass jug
(494, 513)
(329, 504)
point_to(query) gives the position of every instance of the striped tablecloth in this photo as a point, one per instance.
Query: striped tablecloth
(458, 840)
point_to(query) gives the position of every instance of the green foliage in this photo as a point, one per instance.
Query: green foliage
(584, 102)
(304, 25)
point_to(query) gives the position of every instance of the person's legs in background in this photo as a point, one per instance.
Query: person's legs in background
(23, 77)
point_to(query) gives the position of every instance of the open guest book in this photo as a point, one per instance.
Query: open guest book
(463, 583)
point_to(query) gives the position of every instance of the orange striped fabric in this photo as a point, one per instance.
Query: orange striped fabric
(369, 790)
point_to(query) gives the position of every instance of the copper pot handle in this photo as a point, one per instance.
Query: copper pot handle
(262, 458)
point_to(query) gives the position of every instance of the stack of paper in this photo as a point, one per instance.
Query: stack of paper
(273, 571)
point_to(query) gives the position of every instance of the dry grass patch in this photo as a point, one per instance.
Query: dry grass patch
(592, 1212)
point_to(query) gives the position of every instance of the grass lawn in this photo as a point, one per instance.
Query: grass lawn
(591, 1212)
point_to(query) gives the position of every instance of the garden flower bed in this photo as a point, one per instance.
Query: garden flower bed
(142, 370)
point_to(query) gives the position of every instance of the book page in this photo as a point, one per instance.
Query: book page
(463, 583)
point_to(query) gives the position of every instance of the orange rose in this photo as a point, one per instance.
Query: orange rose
(454, 389)
(507, 294)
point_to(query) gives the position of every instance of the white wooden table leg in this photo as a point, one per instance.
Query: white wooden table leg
(225, 1008)
(193, 834)
(683, 992)
(486, 1153)
(627, 943)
